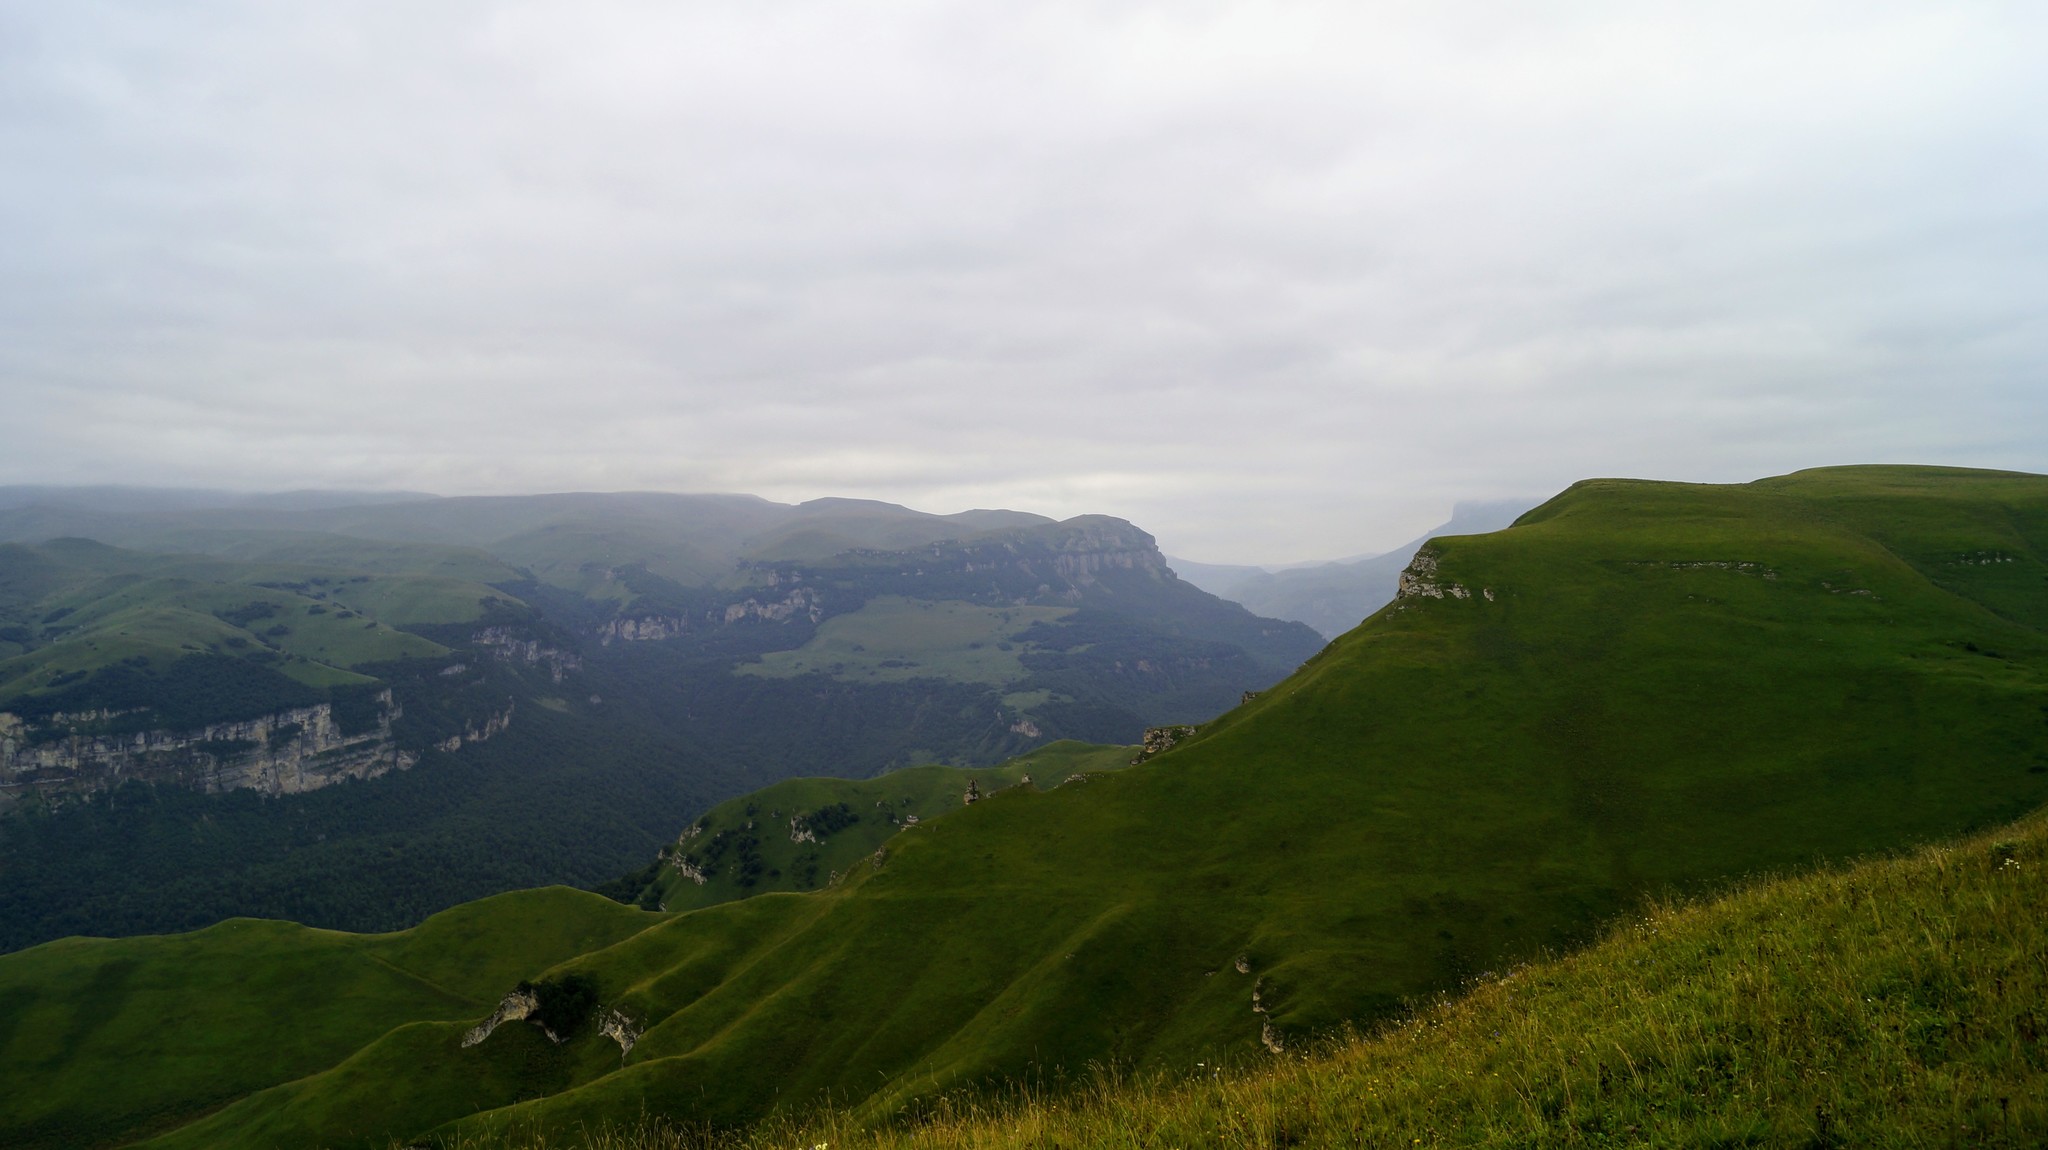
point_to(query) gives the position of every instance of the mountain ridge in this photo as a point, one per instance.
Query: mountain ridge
(254, 663)
(1640, 687)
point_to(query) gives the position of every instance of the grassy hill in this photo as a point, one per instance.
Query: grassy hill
(892, 638)
(72, 607)
(184, 1023)
(796, 835)
(1640, 688)
(1896, 1003)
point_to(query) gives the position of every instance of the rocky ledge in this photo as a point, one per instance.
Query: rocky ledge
(285, 752)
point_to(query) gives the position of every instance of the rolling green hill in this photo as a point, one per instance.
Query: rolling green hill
(185, 1023)
(80, 611)
(892, 638)
(81, 605)
(799, 834)
(1896, 1003)
(1639, 688)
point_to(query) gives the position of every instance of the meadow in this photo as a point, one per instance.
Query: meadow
(1898, 1002)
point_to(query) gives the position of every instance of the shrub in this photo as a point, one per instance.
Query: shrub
(563, 1004)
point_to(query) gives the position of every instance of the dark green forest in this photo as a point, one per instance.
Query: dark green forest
(534, 806)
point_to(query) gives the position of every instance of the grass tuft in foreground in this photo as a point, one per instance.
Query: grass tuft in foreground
(1900, 1002)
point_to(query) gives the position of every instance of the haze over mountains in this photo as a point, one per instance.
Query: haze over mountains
(591, 685)
(528, 689)
(1641, 687)
(1334, 597)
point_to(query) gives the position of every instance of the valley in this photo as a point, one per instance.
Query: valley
(1640, 691)
(529, 690)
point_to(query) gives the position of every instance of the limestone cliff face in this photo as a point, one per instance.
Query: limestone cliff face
(478, 732)
(1051, 563)
(801, 602)
(1419, 581)
(1047, 563)
(1093, 544)
(502, 643)
(798, 603)
(285, 752)
(643, 629)
(1076, 551)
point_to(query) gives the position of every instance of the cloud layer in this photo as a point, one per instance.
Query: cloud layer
(1274, 281)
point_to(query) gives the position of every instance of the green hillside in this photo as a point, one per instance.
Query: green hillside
(892, 639)
(796, 835)
(1897, 1003)
(74, 607)
(1640, 688)
(178, 1025)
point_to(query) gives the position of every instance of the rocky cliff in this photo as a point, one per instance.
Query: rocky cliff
(506, 644)
(1053, 563)
(285, 752)
(642, 629)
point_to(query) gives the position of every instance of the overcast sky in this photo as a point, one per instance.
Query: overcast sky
(1274, 281)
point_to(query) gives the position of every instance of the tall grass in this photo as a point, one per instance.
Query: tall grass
(1899, 1002)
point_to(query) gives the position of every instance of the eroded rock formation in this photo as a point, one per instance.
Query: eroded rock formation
(285, 752)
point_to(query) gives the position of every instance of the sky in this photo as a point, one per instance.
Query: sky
(1274, 281)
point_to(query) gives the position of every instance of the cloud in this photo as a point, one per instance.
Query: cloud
(1274, 281)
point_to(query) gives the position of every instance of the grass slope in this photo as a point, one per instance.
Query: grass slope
(74, 607)
(749, 845)
(893, 638)
(1897, 1003)
(1641, 687)
(1670, 684)
(103, 1040)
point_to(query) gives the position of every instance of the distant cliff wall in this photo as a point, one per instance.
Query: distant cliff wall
(801, 603)
(286, 752)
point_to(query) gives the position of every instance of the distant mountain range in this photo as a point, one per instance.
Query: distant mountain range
(1336, 596)
(1640, 690)
(164, 655)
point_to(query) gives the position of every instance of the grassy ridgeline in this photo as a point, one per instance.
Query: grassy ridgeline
(1901, 1002)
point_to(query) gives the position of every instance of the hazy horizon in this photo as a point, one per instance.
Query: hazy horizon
(169, 498)
(1275, 283)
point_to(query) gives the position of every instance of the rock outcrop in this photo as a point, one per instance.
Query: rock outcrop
(1419, 581)
(502, 643)
(1159, 739)
(285, 752)
(616, 1025)
(517, 1006)
(478, 732)
(802, 602)
(642, 629)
